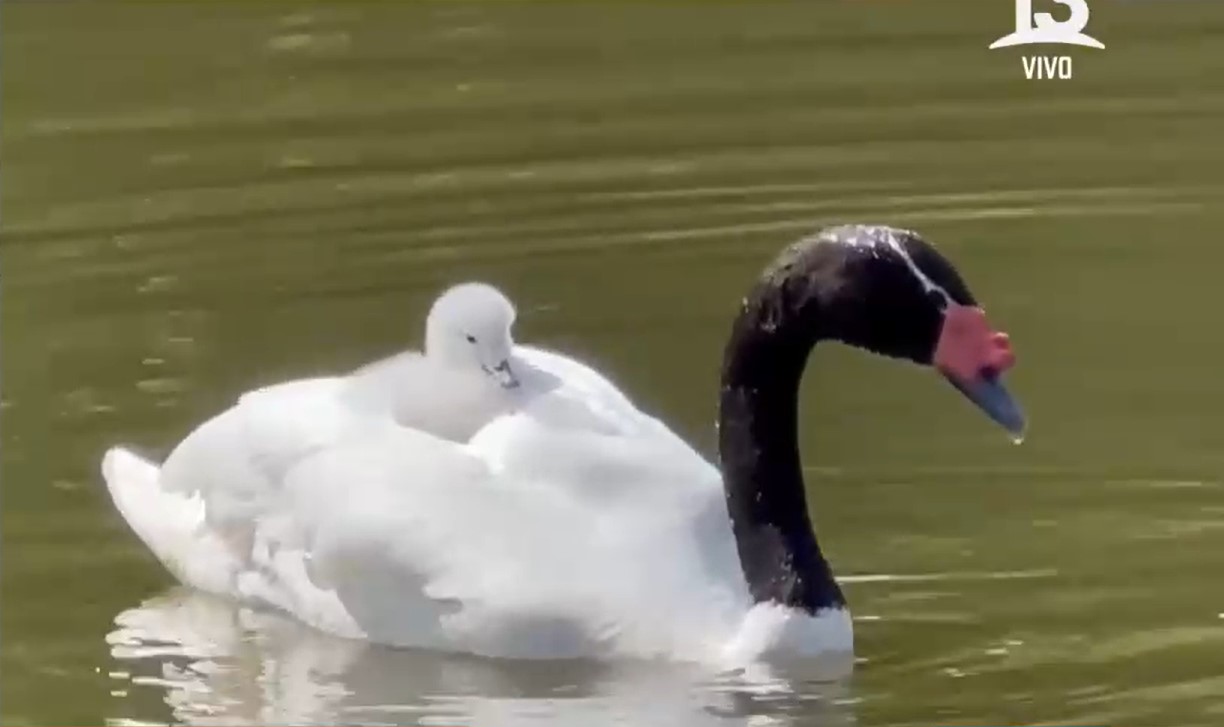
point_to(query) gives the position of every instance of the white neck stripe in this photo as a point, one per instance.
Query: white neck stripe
(930, 286)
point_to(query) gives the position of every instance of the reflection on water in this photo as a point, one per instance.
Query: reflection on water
(220, 664)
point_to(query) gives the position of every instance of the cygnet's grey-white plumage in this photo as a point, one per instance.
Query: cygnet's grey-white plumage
(463, 378)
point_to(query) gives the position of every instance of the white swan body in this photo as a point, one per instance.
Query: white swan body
(576, 526)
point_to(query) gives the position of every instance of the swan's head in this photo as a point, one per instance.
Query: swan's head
(889, 291)
(469, 327)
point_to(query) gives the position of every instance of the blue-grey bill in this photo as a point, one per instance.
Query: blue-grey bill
(992, 397)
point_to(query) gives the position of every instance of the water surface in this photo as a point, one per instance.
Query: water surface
(199, 198)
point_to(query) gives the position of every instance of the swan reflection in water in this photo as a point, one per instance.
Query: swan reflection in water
(218, 663)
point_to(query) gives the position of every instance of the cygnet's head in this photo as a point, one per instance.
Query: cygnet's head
(469, 327)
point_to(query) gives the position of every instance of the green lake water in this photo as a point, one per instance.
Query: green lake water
(201, 197)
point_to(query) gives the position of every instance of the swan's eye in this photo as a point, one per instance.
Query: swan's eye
(471, 338)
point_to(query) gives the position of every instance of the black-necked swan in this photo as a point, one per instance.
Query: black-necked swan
(575, 525)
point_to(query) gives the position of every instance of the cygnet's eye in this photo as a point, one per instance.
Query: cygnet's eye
(471, 338)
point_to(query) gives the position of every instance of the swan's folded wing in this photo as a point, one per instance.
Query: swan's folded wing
(238, 459)
(583, 434)
(547, 547)
(420, 542)
(578, 397)
(423, 540)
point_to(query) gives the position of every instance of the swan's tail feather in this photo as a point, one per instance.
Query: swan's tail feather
(170, 524)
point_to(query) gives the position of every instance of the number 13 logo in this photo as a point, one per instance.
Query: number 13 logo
(1043, 28)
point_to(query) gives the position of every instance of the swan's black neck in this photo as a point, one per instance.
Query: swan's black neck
(865, 286)
(759, 448)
